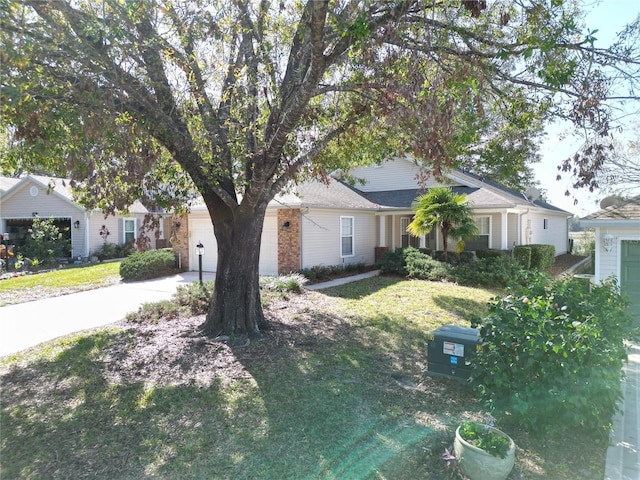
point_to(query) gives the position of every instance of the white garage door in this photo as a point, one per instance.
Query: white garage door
(201, 230)
(269, 245)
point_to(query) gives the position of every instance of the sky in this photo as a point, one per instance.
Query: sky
(608, 17)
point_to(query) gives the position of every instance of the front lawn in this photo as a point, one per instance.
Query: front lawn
(58, 282)
(334, 389)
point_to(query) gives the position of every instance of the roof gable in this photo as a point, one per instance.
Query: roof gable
(54, 186)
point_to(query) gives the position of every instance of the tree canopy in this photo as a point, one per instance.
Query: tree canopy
(141, 99)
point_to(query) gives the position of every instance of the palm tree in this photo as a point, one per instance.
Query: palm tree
(441, 208)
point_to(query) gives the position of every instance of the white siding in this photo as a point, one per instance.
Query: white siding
(608, 263)
(556, 233)
(397, 174)
(321, 238)
(96, 221)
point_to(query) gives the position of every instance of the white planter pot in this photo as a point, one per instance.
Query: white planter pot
(477, 464)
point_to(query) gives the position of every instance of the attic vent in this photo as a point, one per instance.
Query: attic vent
(34, 191)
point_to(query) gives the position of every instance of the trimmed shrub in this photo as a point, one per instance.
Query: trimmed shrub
(491, 253)
(149, 264)
(499, 271)
(552, 354)
(542, 257)
(453, 258)
(423, 267)
(522, 254)
(319, 273)
(392, 263)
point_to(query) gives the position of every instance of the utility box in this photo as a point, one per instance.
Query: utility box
(450, 351)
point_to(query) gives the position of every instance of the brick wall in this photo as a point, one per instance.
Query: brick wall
(289, 240)
(180, 239)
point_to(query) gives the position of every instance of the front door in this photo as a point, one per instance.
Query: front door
(630, 274)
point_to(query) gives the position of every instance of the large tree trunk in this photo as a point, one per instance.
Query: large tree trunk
(235, 308)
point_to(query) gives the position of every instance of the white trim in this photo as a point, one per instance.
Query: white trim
(353, 242)
(125, 231)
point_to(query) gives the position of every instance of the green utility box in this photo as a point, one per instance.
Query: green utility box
(450, 351)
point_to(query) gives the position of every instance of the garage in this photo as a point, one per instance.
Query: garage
(630, 273)
(201, 230)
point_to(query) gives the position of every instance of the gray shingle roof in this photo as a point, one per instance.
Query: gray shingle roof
(626, 210)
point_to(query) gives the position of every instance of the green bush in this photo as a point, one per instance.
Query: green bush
(195, 297)
(294, 282)
(46, 242)
(453, 258)
(111, 250)
(149, 264)
(191, 299)
(522, 254)
(552, 354)
(392, 262)
(320, 273)
(499, 271)
(542, 257)
(423, 267)
(491, 253)
(154, 312)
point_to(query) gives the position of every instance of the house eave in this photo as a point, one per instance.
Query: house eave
(603, 222)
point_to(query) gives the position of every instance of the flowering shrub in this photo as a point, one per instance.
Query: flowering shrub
(552, 353)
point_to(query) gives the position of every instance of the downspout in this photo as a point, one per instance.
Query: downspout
(86, 235)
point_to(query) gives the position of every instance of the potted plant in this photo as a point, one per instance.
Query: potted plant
(483, 452)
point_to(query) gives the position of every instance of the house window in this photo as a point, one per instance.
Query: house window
(545, 224)
(481, 240)
(129, 230)
(346, 237)
(408, 240)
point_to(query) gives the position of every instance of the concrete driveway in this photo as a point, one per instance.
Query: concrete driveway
(27, 324)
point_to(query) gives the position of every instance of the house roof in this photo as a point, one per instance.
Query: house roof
(333, 194)
(57, 186)
(625, 211)
(481, 193)
(405, 198)
(491, 191)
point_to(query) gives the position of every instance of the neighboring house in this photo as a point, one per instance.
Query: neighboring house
(21, 199)
(337, 224)
(617, 234)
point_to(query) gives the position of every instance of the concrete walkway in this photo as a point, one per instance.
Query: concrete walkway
(27, 324)
(623, 459)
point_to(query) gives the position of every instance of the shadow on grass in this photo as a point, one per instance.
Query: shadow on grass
(463, 307)
(363, 288)
(318, 398)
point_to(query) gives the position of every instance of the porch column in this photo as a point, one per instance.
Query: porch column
(505, 232)
(382, 241)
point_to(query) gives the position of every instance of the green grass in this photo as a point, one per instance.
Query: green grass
(335, 392)
(65, 280)
(97, 275)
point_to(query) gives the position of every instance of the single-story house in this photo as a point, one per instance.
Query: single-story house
(617, 234)
(23, 198)
(335, 223)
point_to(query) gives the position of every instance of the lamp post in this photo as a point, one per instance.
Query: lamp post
(200, 253)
